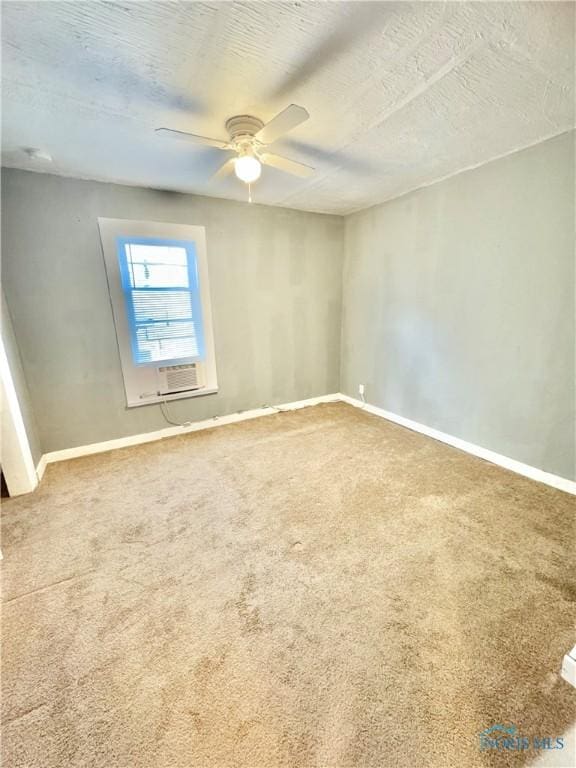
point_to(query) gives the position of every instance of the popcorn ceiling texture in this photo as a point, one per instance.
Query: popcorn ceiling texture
(400, 94)
(313, 589)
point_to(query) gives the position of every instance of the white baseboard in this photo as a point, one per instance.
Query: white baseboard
(568, 671)
(562, 483)
(41, 467)
(150, 437)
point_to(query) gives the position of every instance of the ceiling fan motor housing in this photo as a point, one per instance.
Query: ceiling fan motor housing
(243, 127)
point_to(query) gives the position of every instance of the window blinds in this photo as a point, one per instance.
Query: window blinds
(161, 291)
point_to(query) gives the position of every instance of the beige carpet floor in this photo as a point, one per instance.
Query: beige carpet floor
(313, 589)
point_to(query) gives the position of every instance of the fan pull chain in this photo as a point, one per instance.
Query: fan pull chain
(249, 193)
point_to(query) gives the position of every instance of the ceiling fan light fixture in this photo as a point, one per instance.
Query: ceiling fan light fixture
(249, 138)
(247, 168)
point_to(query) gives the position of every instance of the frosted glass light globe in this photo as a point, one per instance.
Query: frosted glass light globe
(247, 168)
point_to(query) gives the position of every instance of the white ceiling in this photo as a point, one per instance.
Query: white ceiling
(400, 93)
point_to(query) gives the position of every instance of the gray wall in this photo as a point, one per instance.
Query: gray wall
(275, 277)
(20, 383)
(459, 306)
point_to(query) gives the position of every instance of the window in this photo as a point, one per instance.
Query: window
(161, 291)
(158, 281)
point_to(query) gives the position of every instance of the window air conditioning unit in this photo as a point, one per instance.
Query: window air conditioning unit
(180, 378)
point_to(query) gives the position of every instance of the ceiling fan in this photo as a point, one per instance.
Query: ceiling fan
(249, 138)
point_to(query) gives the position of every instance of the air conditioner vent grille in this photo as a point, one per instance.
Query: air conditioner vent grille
(176, 378)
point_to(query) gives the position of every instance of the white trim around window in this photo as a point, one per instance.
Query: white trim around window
(161, 309)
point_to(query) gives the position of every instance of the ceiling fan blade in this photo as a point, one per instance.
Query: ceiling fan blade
(284, 164)
(284, 121)
(192, 137)
(226, 168)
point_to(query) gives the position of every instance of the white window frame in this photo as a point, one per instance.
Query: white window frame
(141, 381)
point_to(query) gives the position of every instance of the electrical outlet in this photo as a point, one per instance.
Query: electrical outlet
(361, 389)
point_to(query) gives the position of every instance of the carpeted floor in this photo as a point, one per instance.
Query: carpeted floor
(318, 588)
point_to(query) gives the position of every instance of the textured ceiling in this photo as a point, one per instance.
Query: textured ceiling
(399, 94)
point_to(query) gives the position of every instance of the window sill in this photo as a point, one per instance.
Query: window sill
(175, 396)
